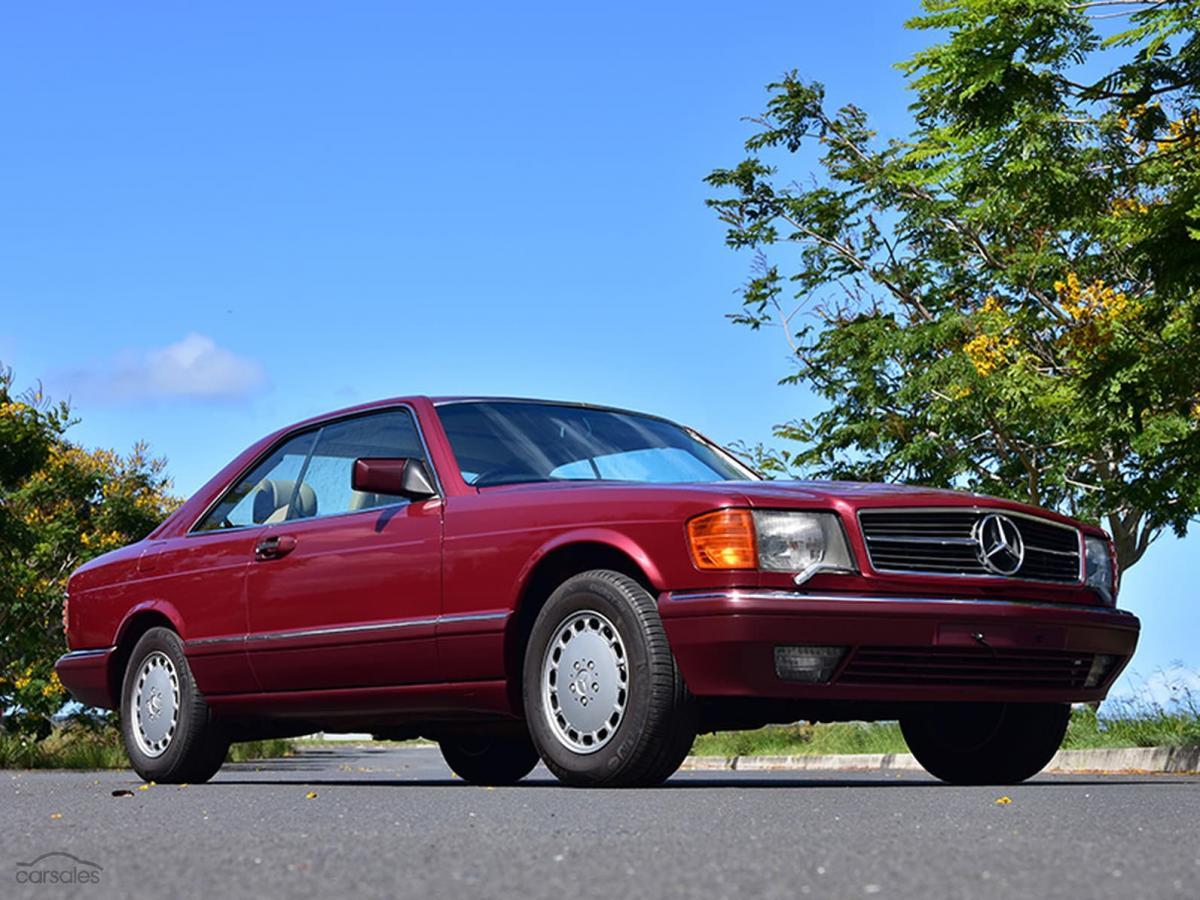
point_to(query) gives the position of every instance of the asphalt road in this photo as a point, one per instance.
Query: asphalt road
(394, 823)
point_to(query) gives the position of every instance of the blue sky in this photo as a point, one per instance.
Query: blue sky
(219, 219)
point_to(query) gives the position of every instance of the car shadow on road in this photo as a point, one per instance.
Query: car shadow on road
(687, 784)
(328, 767)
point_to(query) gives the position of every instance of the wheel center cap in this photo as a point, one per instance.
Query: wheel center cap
(155, 704)
(589, 690)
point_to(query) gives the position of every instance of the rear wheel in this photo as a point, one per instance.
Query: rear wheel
(488, 760)
(986, 743)
(606, 704)
(168, 731)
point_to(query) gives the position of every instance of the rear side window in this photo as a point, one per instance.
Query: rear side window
(388, 434)
(264, 494)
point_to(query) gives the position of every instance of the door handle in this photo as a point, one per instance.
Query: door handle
(274, 547)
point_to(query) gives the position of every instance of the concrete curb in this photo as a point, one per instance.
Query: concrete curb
(1129, 759)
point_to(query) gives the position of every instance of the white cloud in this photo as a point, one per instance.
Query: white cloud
(194, 367)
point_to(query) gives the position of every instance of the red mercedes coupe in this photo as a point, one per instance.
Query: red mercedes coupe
(522, 580)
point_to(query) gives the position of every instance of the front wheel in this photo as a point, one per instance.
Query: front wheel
(488, 760)
(605, 702)
(169, 734)
(986, 743)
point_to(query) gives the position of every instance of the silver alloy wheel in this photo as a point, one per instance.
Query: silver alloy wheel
(585, 681)
(155, 704)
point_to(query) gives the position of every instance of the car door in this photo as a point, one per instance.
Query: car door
(202, 574)
(345, 588)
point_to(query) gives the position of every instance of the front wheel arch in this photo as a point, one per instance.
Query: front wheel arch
(545, 571)
(655, 718)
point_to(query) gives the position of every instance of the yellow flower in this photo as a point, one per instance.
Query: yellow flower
(1183, 133)
(987, 352)
(959, 391)
(1093, 309)
(53, 686)
(23, 680)
(1127, 206)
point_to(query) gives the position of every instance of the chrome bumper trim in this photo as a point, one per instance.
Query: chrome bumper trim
(73, 655)
(737, 595)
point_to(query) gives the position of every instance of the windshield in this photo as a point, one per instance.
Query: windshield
(511, 442)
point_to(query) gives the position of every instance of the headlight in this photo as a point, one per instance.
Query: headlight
(801, 542)
(1101, 569)
(772, 540)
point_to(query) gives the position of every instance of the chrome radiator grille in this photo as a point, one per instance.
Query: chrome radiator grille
(948, 542)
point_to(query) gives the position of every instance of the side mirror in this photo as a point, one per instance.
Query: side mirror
(398, 477)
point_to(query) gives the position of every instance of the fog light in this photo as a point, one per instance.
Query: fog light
(1102, 664)
(814, 665)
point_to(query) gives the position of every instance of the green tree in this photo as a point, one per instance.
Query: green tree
(1007, 298)
(60, 505)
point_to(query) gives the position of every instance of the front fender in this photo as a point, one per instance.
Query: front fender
(608, 537)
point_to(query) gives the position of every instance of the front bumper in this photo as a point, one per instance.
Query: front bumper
(899, 648)
(85, 674)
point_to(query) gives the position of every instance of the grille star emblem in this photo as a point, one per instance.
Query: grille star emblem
(999, 546)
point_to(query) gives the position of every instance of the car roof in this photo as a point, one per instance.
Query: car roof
(445, 401)
(466, 398)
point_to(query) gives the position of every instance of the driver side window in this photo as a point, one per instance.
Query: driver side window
(391, 433)
(262, 496)
(309, 475)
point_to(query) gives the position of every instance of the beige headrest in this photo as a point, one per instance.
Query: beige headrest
(362, 500)
(272, 496)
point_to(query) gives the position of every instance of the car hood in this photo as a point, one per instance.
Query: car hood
(845, 495)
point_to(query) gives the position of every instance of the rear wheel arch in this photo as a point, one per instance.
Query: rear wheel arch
(129, 633)
(168, 730)
(544, 575)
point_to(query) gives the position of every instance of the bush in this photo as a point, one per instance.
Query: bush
(60, 506)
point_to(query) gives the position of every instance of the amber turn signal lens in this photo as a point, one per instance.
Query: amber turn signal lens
(723, 540)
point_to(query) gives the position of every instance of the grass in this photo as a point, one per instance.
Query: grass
(1140, 721)
(71, 747)
(1137, 723)
(789, 740)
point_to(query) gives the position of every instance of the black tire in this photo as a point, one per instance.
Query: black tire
(489, 760)
(657, 724)
(986, 743)
(196, 747)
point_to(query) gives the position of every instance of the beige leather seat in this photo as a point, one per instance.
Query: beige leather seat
(271, 501)
(360, 500)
